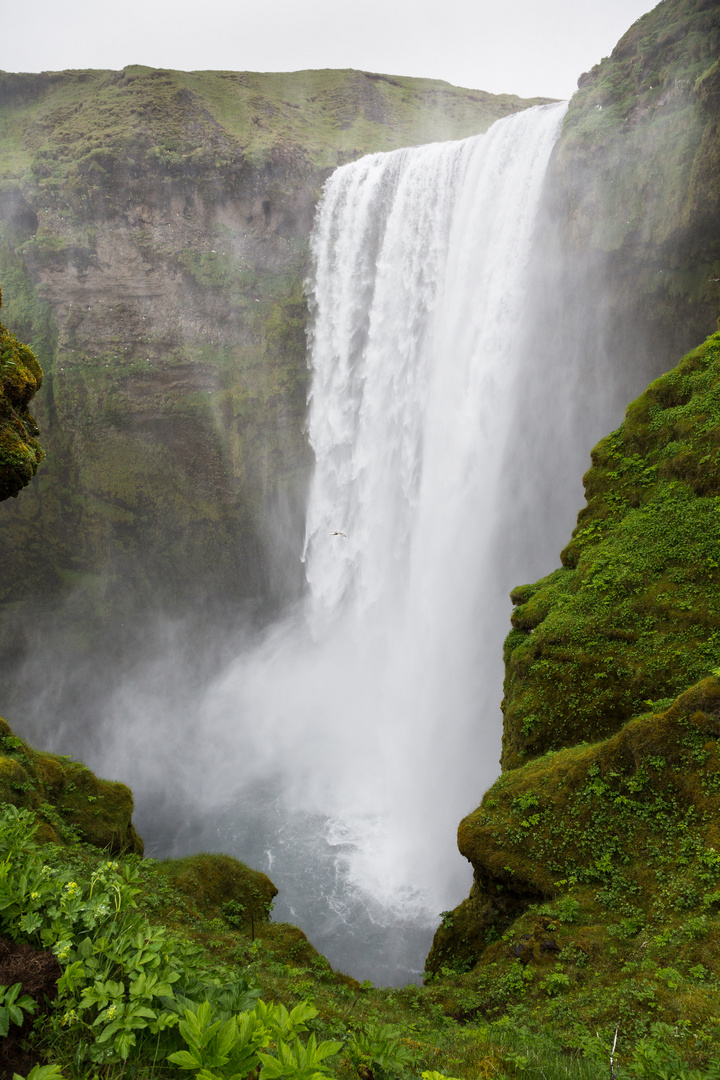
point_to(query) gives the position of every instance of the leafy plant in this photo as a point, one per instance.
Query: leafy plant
(379, 1047)
(41, 1072)
(232, 1049)
(12, 1007)
(298, 1062)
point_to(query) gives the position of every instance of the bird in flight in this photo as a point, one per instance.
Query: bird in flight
(338, 533)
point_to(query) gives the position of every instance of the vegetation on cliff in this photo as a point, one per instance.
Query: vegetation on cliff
(596, 855)
(99, 129)
(145, 969)
(68, 800)
(20, 379)
(633, 617)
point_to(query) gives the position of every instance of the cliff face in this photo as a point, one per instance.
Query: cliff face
(634, 190)
(632, 618)
(153, 245)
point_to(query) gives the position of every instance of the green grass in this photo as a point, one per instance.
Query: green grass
(76, 124)
(632, 617)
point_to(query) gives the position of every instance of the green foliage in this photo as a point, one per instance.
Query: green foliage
(20, 379)
(298, 1062)
(12, 1007)
(658, 1058)
(41, 1072)
(380, 1048)
(631, 620)
(226, 1049)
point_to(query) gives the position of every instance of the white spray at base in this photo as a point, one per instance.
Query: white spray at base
(368, 724)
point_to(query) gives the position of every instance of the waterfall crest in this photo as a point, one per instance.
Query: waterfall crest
(368, 723)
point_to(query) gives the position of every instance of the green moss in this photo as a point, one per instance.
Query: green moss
(88, 134)
(633, 616)
(69, 801)
(596, 854)
(20, 379)
(219, 885)
(599, 864)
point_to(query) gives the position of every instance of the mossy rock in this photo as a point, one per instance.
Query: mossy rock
(221, 886)
(70, 802)
(633, 616)
(597, 873)
(20, 379)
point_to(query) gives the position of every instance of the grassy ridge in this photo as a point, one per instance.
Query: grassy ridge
(195, 119)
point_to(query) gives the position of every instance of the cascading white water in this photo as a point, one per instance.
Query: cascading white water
(340, 753)
(370, 720)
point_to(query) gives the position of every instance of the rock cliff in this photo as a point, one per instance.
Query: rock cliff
(634, 194)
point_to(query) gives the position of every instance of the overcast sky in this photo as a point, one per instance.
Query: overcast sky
(526, 47)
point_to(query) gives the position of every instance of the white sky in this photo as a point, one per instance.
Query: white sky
(526, 47)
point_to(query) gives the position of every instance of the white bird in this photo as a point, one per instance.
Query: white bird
(338, 533)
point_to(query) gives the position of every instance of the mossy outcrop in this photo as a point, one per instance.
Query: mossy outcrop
(633, 617)
(596, 892)
(220, 885)
(69, 801)
(20, 379)
(596, 855)
(635, 200)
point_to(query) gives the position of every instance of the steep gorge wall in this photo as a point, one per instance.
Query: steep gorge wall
(634, 197)
(20, 379)
(595, 854)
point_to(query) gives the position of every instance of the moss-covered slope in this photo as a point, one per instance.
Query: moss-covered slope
(20, 379)
(634, 615)
(68, 799)
(595, 855)
(597, 881)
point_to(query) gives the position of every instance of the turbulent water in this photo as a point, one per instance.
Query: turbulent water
(366, 725)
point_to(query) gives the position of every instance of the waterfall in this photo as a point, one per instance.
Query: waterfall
(367, 724)
(340, 752)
